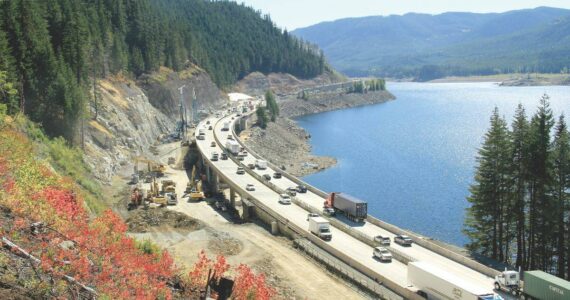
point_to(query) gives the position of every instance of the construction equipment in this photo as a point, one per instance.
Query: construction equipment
(136, 198)
(153, 168)
(154, 195)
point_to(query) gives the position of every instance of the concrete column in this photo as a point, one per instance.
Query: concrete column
(214, 181)
(208, 173)
(232, 197)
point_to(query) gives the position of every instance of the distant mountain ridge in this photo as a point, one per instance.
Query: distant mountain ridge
(456, 43)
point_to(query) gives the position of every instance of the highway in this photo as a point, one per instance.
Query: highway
(341, 241)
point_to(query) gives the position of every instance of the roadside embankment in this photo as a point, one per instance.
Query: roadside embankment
(283, 142)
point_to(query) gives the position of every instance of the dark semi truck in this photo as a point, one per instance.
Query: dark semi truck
(353, 208)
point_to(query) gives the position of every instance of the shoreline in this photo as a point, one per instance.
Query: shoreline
(512, 79)
(287, 144)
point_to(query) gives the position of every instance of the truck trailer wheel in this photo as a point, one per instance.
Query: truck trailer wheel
(497, 286)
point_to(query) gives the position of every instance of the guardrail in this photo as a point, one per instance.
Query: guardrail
(380, 279)
(459, 258)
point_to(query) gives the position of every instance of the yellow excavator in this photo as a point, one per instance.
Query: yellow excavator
(154, 195)
(153, 167)
(194, 187)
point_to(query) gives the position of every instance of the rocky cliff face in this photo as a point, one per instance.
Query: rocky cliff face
(132, 116)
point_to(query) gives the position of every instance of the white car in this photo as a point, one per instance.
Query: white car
(284, 199)
(382, 254)
(250, 187)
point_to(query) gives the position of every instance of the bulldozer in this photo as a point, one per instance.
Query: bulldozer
(194, 187)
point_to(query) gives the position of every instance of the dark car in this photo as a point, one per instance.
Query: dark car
(213, 144)
(291, 191)
(403, 240)
(251, 166)
(301, 189)
(266, 177)
(210, 128)
(224, 156)
(276, 175)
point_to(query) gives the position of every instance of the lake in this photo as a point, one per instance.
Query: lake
(413, 159)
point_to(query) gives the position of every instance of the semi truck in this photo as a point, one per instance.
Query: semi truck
(232, 146)
(432, 282)
(320, 227)
(536, 285)
(354, 209)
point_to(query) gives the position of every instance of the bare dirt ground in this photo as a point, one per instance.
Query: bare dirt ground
(215, 232)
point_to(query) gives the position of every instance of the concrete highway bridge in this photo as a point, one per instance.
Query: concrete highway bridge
(352, 243)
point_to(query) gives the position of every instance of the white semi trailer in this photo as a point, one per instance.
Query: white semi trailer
(232, 146)
(433, 282)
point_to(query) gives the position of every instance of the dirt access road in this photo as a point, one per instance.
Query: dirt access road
(294, 275)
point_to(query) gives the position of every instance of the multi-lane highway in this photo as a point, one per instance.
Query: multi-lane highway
(395, 271)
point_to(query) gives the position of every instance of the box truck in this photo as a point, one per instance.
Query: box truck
(226, 126)
(353, 208)
(433, 282)
(320, 227)
(261, 164)
(232, 146)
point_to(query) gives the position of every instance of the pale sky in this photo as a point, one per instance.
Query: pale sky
(292, 14)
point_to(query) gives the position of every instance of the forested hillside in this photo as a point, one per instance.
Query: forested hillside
(433, 46)
(52, 49)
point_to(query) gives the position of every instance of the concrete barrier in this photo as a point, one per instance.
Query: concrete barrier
(457, 257)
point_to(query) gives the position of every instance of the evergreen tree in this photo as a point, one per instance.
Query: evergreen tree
(272, 105)
(560, 188)
(519, 180)
(540, 208)
(261, 117)
(485, 222)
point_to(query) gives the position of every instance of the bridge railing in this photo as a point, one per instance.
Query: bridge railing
(426, 243)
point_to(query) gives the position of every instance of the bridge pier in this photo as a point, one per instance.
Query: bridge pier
(233, 197)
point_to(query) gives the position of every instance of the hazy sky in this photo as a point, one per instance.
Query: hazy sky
(292, 14)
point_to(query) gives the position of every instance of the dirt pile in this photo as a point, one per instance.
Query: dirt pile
(141, 220)
(222, 243)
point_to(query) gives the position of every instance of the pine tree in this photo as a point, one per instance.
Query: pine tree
(519, 180)
(261, 117)
(540, 207)
(485, 222)
(561, 186)
(272, 105)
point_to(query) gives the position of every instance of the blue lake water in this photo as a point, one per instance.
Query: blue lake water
(413, 159)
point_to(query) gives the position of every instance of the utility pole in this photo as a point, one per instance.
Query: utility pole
(183, 124)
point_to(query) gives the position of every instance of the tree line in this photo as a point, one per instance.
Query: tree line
(520, 204)
(52, 50)
(371, 85)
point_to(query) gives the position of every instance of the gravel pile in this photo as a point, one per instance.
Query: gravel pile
(222, 243)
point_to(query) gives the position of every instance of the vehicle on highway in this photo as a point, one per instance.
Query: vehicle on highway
(537, 285)
(382, 254)
(432, 282)
(382, 240)
(214, 156)
(240, 171)
(301, 189)
(226, 126)
(251, 166)
(291, 191)
(261, 164)
(224, 156)
(230, 137)
(277, 175)
(210, 128)
(208, 122)
(312, 215)
(403, 240)
(250, 187)
(243, 153)
(232, 146)
(284, 199)
(240, 158)
(320, 227)
(213, 144)
(353, 208)
(266, 177)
